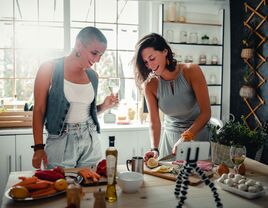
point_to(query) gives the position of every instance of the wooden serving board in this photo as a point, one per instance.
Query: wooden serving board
(193, 179)
(16, 119)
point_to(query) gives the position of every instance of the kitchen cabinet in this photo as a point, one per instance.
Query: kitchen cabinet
(7, 159)
(129, 143)
(24, 152)
(199, 39)
(15, 155)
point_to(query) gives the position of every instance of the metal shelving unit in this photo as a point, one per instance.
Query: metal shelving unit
(196, 26)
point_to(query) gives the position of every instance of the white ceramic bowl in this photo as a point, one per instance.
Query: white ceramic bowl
(129, 182)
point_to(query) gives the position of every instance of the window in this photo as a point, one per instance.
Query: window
(30, 34)
(33, 31)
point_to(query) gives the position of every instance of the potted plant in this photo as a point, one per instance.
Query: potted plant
(205, 39)
(248, 43)
(234, 133)
(248, 90)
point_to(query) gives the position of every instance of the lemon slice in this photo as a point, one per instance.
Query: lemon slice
(152, 163)
(164, 169)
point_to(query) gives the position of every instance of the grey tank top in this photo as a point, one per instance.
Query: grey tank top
(178, 104)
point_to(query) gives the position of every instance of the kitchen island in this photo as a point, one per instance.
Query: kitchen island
(154, 193)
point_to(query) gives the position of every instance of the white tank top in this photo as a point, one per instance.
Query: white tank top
(80, 97)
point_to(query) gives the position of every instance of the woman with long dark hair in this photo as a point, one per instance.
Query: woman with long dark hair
(178, 90)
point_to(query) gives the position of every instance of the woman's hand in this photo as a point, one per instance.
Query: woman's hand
(150, 154)
(39, 157)
(186, 136)
(110, 101)
(177, 144)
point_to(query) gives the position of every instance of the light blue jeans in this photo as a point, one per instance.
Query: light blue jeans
(78, 146)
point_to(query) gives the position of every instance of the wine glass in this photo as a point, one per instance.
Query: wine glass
(114, 85)
(238, 155)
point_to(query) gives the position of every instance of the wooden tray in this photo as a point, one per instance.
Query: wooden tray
(16, 119)
(193, 179)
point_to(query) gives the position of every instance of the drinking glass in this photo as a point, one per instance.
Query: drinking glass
(114, 85)
(238, 155)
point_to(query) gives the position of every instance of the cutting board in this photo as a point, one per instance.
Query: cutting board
(193, 179)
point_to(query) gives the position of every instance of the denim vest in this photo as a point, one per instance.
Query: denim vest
(57, 104)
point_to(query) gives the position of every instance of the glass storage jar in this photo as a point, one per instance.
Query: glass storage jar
(214, 59)
(181, 13)
(193, 37)
(202, 59)
(183, 37)
(171, 12)
(169, 35)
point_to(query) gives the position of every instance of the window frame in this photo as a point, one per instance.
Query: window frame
(66, 26)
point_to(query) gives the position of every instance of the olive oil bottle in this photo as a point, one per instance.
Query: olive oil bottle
(111, 163)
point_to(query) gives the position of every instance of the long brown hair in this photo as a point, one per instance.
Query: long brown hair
(158, 43)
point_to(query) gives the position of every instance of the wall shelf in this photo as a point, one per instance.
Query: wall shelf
(195, 23)
(210, 64)
(196, 44)
(214, 85)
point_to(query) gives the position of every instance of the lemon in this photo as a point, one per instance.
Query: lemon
(152, 162)
(60, 184)
(19, 192)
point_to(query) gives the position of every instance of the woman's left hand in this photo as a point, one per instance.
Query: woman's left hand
(186, 136)
(177, 144)
(111, 101)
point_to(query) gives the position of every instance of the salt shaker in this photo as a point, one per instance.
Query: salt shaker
(99, 199)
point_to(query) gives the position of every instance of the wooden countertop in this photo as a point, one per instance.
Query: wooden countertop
(155, 193)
